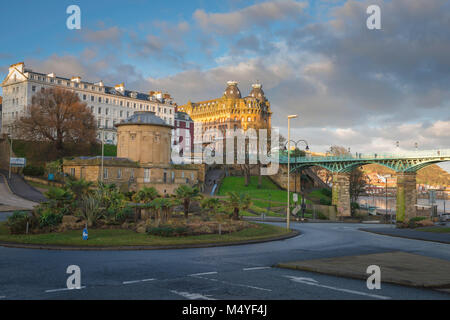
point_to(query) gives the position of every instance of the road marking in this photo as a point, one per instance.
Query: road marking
(256, 268)
(63, 289)
(234, 284)
(137, 281)
(202, 274)
(312, 282)
(192, 296)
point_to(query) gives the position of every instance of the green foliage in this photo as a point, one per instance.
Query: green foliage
(33, 171)
(145, 195)
(90, 208)
(238, 201)
(124, 214)
(17, 222)
(168, 231)
(186, 195)
(325, 202)
(417, 219)
(326, 192)
(79, 188)
(210, 204)
(49, 218)
(354, 205)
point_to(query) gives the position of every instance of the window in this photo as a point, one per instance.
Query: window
(106, 100)
(72, 172)
(107, 109)
(99, 110)
(121, 113)
(92, 98)
(146, 175)
(165, 177)
(106, 124)
(105, 173)
(99, 99)
(33, 88)
(119, 173)
(84, 97)
(132, 174)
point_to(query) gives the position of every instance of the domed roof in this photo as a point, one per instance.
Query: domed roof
(232, 90)
(257, 92)
(144, 117)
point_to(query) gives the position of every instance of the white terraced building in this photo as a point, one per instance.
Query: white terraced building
(110, 105)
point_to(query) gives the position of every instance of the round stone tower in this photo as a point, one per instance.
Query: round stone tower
(145, 138)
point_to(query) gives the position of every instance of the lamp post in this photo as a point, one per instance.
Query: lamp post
(288, 220)
(10, 156)
(296, 147)
(103, 152)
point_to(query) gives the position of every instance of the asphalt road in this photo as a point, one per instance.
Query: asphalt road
(238, 272)
(10, 199)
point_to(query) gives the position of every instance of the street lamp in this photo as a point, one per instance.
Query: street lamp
(10, 155)
(289, 169)
(103, 152)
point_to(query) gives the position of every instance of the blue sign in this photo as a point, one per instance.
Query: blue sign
(51, 177)
(18, 162)
(85, 234)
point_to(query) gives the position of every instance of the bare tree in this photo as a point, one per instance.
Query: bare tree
(58, 116)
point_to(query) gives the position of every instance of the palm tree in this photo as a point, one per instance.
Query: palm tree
(211, 204)
(238, 201)
(146, 195)
(187, 194)
(163, 208)
(79, 188)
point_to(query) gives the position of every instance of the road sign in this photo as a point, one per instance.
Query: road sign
(85, 234)
(18, 162)
(295, 197)
(296, 210)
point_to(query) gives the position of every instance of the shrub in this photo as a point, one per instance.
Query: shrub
(33, 171)
(326, 192)
(417, 219)
(49, 219)
(124, 214)
(321, 216)
(167, 231)
(325, 202)
(17, 222)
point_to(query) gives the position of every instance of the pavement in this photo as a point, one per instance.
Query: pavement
(10, 201)
(396, 267)
(411, 234)
(20, 188)
(237, 272)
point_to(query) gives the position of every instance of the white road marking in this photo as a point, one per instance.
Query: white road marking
(234, 284)
(63, 289)
(202, 274)
(313, 282)
(256, 268)
(137, 281)
(192, 296)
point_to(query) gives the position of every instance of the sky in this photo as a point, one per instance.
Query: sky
(350, 86)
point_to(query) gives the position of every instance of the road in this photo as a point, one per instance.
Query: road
(237, 272)
(9, 199)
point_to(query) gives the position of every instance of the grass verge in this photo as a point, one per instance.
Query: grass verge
(435, 230)
(111, 238)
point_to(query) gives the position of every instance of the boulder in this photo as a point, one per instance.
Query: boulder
(425, 223)
(70, 220)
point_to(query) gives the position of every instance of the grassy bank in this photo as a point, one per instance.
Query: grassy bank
(104, 238)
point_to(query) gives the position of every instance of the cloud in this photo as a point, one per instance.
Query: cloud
(260, 14)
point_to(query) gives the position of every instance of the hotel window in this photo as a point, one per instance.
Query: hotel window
(106, 100)
(107, 111)
(119, 173)
(85, 86)
(105, 173)
(121, 113)
(106, 123)
(99, 99)
(99, 110)
(146, 175)
(92, 109)
(165, 177)
(128, 104)
(132, 174)
(72, 172)
(92, 98)
(33, 88)
(121, 103)
(84, 97)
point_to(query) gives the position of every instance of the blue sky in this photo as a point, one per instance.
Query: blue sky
(350, 86)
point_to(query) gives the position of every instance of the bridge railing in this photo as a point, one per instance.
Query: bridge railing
(444, 153)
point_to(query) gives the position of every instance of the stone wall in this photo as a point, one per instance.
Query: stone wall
(281, 178)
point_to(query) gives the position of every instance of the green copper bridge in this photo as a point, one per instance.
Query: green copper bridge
(405, 165)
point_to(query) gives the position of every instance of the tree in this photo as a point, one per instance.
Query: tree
(79, 188)
(210, 204)
(163, 208)
(357, 184)
(236, 202)
(187, 194)
(57, 116)
(146, 195)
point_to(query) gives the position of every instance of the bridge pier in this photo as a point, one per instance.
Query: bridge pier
(341, 194)
(406, 196)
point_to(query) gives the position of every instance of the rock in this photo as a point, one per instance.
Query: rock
(142, 229)
(425, 223)
(70, 220)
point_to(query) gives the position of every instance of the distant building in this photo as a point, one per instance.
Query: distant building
(183, 133)
(143, 158)
(110, 105)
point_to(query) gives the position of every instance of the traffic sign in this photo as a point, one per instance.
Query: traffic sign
(85, 234)
(18, 162)
(295, 197)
